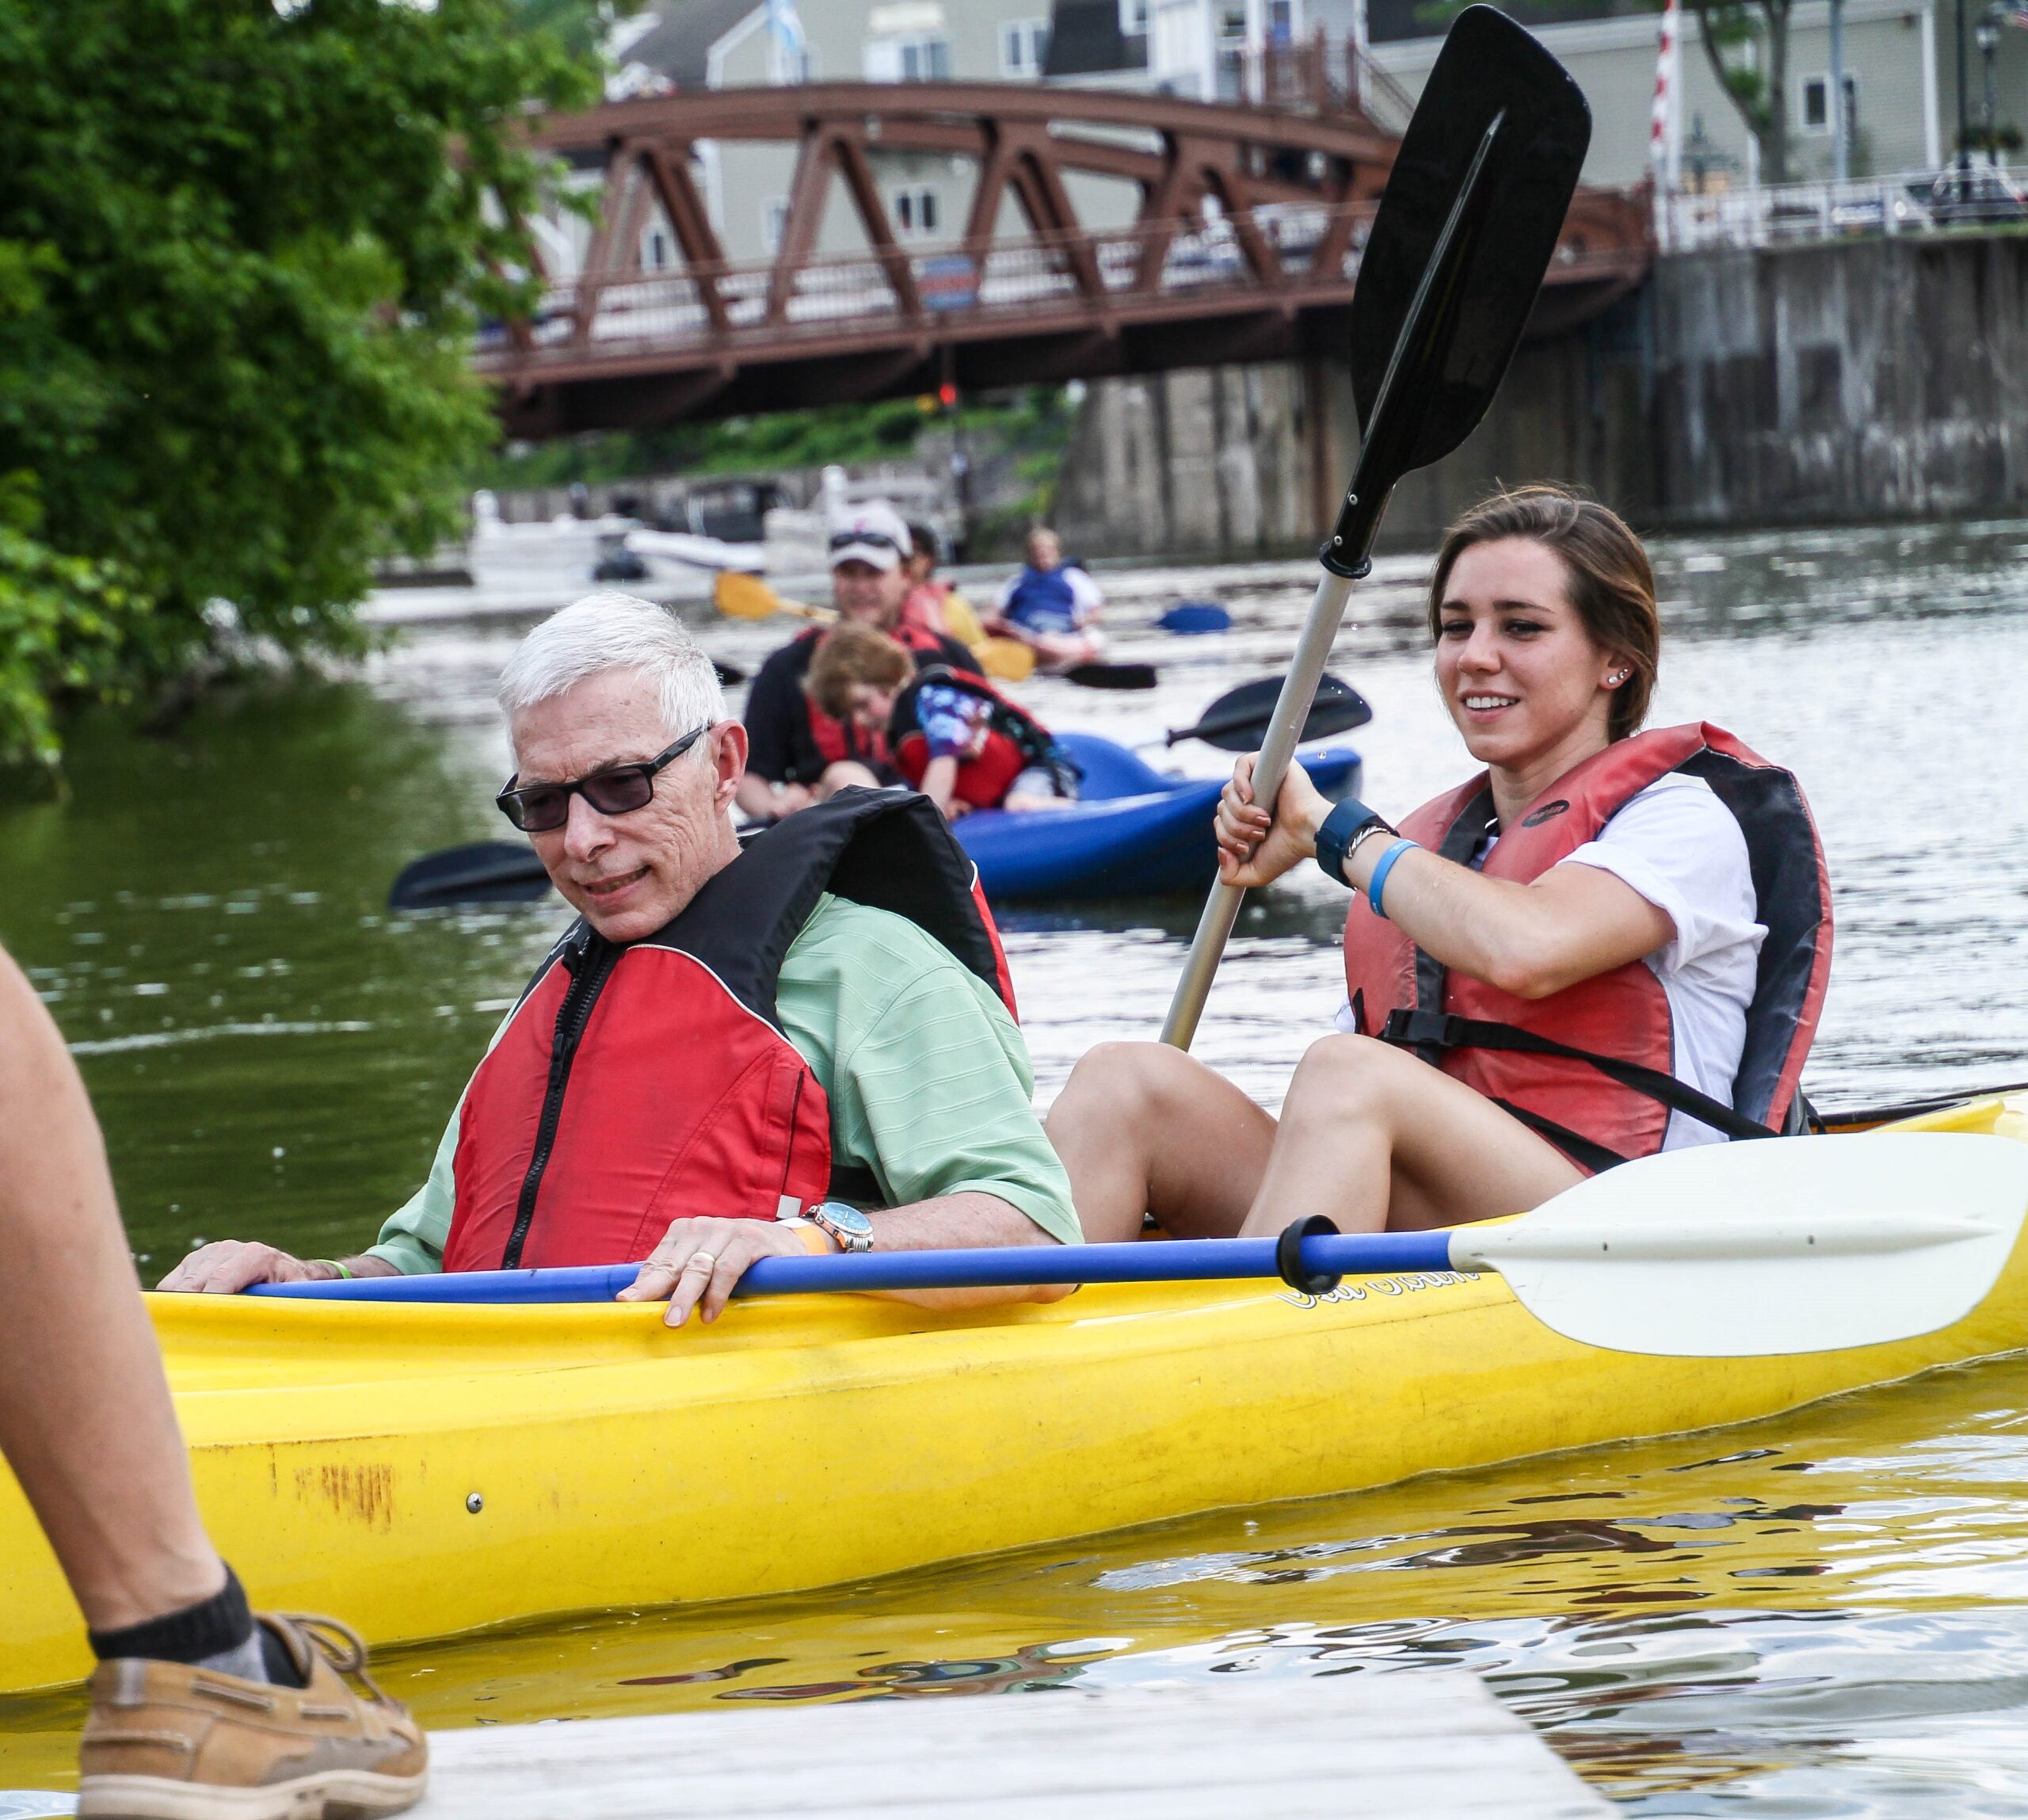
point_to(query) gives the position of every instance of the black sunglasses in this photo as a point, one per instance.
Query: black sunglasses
(537, 808)
(879, 540)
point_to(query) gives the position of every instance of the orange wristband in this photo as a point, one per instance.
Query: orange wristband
(816, 1240)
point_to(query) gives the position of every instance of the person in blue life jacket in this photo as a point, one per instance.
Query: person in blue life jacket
(1051, 604)
(954, 737)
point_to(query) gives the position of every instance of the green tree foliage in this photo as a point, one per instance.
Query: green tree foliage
(1746, 43)
(243, 249)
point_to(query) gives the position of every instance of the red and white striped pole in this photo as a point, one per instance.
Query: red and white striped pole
(1661, 144)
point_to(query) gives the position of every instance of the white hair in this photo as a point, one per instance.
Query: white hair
(612, 630)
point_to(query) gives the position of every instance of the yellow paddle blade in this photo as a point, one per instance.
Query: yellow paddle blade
(1008, 659)
(744, 597)
(961, 622)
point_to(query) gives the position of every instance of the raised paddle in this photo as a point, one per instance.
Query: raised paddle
(1793, 1245)
(1473, 205)
(1237, 721)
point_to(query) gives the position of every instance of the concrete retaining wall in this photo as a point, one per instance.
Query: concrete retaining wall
(1869, 379)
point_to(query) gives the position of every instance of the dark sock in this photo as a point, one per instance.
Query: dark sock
(216, 1633)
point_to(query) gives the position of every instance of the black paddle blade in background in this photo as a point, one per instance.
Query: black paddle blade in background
(1488, 69)
(1111, 675)
(486, 872)
(1237, 721)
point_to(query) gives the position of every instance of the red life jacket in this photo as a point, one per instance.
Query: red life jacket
(637, 1085)
(1014, 740)
(1589, 1067)
(837, 740)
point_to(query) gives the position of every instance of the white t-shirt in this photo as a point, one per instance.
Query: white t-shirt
(1679, 846)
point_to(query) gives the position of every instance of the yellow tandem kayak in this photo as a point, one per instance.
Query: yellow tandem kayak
(428, 1470)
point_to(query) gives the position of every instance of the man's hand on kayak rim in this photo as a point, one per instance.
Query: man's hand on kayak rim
(699, 1260)
(950, 1221)
(228, 1265)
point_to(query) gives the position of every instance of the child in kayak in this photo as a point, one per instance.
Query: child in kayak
(1052, 605)
(954, 737)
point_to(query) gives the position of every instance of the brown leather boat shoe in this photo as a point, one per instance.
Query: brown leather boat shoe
(165, 1741)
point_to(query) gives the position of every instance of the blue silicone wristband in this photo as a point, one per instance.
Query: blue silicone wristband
(1378, 881)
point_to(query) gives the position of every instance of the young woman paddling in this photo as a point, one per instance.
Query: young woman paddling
(1608, 943)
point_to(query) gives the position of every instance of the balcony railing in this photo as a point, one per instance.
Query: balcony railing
(1912, 202)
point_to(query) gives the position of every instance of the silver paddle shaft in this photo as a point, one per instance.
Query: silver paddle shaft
(1215, 927)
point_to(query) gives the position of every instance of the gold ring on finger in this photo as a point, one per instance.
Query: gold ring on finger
(703, 1260)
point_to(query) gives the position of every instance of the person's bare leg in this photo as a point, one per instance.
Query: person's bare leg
(1374, 1138)
(86, 1421)
(1141, 1128)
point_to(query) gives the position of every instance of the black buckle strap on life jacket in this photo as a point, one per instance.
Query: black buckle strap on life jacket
(1441, 1030)
(1288, 1256)
(1462, 845)
(1581, 1149)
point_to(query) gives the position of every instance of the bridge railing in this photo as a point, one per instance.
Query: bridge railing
(1294, 252)
(1916, 201)
(1043, 272)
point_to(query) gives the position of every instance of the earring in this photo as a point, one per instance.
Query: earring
(1617, 677)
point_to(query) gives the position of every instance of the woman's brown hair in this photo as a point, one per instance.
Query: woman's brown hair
(1611, 584)
(855, 653)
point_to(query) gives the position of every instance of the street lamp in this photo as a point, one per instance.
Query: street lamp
(1988, 37)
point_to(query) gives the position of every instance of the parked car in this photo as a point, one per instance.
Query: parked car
(1981, 193)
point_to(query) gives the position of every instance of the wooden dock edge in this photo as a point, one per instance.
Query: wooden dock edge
(1432, 1744)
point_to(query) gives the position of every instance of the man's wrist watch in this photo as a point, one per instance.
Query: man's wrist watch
(848, 1228)
(1347, 820)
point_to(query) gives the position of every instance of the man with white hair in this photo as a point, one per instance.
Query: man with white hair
(728, 1049)
(798, 753)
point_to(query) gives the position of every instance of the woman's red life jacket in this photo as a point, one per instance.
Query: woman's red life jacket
(637, 1085)
(1589, 1067)
(839, 739)
(1014, 740)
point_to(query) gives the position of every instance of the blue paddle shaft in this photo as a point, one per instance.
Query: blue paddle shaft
(1197, 1261)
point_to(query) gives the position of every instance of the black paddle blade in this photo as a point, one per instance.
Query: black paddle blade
(727, 674)
(486, 872)
(1237, 721)
(1111, 675)
(1484, 177)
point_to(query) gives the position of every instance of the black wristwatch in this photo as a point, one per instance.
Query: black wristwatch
(1344, 825)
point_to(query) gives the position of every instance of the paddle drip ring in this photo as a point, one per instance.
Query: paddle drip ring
(1288, 1256)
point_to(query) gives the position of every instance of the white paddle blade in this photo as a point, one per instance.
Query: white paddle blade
(1778, 1245)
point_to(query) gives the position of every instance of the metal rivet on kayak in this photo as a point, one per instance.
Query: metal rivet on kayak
(475, 1504)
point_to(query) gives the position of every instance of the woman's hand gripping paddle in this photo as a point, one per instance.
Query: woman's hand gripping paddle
(1793, 1245)
(1464, 234)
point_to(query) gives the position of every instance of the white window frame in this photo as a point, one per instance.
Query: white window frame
(916, 210)
(1821, 78)
(1133, 18)
(886, 59)
(1028, 41)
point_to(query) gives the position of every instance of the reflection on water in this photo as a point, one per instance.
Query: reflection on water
(1825, 1615)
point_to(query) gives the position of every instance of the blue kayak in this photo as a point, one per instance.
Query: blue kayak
(1132, 833)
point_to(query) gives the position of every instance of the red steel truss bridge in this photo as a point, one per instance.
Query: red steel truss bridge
(1244, 246)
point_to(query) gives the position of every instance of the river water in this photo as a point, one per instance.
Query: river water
(1826, 1615)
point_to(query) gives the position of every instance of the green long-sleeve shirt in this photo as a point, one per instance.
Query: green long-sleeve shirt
(927, 1077)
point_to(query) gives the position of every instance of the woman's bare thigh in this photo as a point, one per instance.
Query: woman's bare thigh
(1458, 1157)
